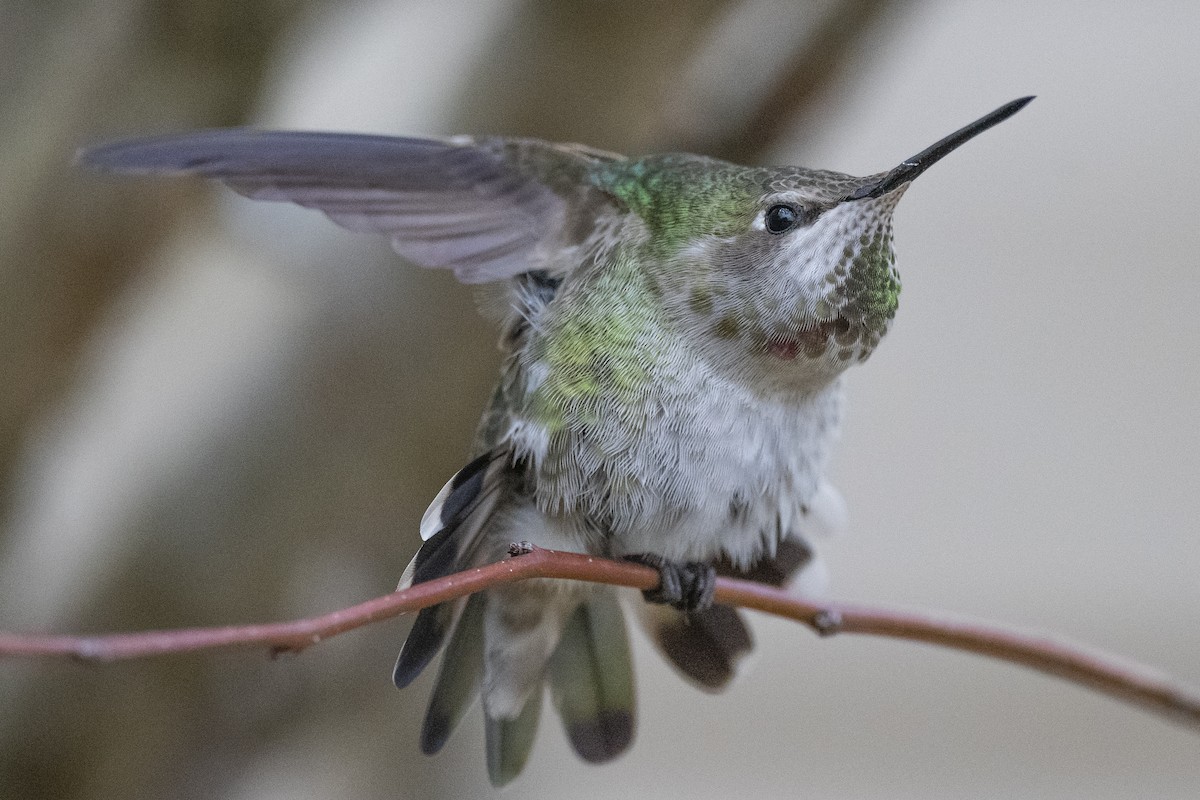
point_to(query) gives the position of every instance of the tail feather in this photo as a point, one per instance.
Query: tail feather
(522, 627)
(458, 680)
(510, 740)
(705, 646)
(591, 680)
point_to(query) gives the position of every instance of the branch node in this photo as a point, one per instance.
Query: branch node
(827, 622)
(521, 548)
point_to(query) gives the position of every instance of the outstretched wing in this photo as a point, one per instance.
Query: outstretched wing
(487, 209)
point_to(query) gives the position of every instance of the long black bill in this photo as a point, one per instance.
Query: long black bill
(912, 167)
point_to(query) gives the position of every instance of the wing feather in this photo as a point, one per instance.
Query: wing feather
(454, 528)
(487, 209)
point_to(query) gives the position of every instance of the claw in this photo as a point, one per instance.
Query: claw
(688, 586)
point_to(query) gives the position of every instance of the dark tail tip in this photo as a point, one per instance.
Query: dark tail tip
(603, 737)
(435, 733)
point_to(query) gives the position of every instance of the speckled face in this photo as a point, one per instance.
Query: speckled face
(840, 277)
(774, 272)
(802, 280)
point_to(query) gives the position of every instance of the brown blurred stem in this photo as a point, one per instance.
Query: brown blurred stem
(1124, 680)
(835, 47)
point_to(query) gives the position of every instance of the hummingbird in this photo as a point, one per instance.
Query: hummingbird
(674, 336)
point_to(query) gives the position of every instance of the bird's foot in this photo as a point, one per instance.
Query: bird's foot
(688, 586)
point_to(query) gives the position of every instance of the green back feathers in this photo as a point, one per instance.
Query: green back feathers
(591, 680)
(681, 197)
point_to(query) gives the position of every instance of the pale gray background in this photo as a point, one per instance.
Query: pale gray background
(254, 417)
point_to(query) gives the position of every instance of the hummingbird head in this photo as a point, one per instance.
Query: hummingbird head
(784, 276)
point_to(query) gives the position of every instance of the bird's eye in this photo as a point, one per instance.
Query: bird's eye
(781, 218)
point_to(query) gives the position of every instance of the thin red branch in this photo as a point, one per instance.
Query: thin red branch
(1123, 680)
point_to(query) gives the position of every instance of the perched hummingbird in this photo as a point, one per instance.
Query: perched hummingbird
(675, 334)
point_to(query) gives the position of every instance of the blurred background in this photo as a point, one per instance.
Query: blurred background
(214, 411)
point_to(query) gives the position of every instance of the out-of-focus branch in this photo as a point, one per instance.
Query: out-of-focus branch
(831, 47)
(1124, 680)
